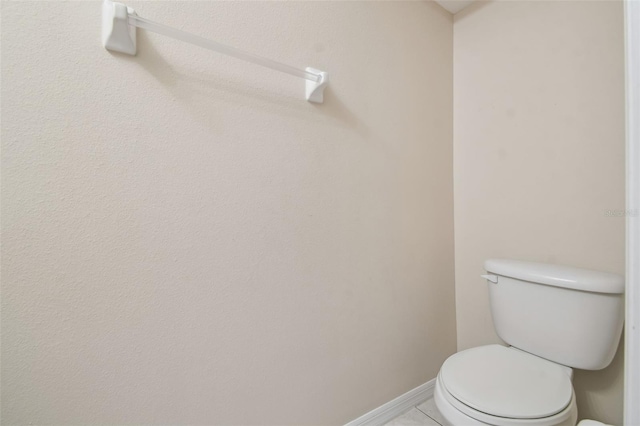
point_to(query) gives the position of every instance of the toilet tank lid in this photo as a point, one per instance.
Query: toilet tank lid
(557, 275)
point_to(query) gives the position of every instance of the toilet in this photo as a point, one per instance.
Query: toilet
(554, 319)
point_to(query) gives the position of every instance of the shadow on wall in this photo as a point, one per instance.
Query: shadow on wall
(599, 392)
(196, 91)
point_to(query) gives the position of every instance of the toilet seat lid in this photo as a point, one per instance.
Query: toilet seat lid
(506, 382)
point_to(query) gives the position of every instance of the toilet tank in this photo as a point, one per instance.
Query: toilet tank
(568, 315)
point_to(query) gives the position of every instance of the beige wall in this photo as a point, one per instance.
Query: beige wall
(539, 154)
(186, 240)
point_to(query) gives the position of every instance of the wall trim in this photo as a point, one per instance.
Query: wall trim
(632, 320)
(395, 407)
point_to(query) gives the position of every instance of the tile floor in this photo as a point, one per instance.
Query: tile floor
(424, 414)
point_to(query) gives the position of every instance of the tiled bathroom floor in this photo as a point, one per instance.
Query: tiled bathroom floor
(424, 414)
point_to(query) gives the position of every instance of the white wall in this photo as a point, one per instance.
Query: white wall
(539, 155)
(186, 240)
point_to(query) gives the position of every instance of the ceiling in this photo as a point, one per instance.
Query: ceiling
(454, 6)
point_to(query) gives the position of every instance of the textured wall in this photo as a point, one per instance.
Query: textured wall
(539, 155)
(186, 240)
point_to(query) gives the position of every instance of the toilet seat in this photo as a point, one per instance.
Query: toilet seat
(458, 414)
(506, 387)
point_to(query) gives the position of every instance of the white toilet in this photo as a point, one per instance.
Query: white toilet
(555, 318)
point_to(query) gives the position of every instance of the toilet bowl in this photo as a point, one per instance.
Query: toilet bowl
(496, 385)
(554, 318)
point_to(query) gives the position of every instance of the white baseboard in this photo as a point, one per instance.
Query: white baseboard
(394, 408)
